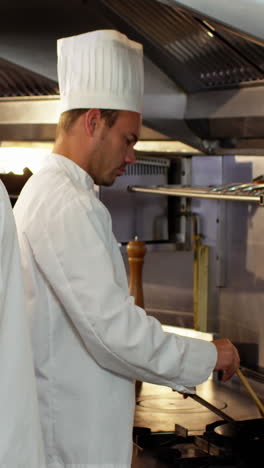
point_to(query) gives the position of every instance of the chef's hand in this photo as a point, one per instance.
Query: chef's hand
(228, 359)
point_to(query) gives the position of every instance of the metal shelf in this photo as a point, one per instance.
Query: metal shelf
(215, 193)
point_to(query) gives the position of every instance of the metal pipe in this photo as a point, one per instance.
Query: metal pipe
(197, 193)
(196, 243)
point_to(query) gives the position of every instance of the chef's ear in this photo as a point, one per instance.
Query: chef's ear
(92, 119)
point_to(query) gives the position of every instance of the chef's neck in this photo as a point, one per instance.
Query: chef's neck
(74, 145)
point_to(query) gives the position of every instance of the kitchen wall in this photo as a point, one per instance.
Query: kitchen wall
(234, 233)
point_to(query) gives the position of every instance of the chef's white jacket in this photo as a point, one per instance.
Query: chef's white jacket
(20, 434)
(90, 340)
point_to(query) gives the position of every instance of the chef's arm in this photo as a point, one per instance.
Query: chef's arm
(227, 359)
(73, 255)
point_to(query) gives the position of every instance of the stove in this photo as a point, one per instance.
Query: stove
(237, 444)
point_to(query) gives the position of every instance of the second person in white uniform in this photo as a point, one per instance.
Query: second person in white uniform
(21, 443)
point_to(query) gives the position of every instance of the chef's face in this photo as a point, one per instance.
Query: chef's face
(115, 147)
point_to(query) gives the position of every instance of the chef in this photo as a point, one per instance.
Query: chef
(20, 434)
(90, 340)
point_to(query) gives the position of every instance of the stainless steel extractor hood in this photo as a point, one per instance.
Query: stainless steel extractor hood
(204, 68)
(245, 17)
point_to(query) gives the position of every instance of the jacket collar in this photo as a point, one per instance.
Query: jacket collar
(72, 169)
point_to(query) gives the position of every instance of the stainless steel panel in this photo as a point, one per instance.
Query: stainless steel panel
(138, 216)
(234, 234)
(236, 309)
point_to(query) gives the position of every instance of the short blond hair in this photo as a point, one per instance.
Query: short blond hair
(68, 118)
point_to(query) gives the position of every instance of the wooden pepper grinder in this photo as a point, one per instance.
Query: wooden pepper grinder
(136, 250)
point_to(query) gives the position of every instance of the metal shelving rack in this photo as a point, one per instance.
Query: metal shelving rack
(241, 195)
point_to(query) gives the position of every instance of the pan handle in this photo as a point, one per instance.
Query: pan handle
(211, 407)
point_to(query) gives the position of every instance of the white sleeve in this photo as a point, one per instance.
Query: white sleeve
(21, 439)
(72, 253)
(2, 221)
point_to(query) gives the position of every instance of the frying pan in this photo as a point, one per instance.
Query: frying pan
(251, 429)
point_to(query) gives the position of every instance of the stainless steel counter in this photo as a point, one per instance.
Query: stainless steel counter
(159, 409)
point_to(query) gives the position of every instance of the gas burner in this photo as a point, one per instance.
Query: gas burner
(237, 444)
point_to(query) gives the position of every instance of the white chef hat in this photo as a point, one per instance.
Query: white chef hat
(100, 69)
